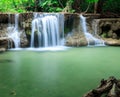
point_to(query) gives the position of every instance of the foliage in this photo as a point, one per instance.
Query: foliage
(92, 1)
(4, 5)
(57, 5)
(84, 6)
(30, 5)
(111, 6)
(50, 6)
(54, 5)
(15, 5)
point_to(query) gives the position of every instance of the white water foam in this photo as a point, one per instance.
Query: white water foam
(89, 36)
(47, 29)
(13, 32)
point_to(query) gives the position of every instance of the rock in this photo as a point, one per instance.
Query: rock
(23, 39)
(112, 92)
(76, 39)
(110, 33)
(114, 26)
(2, 50)
(112, 42)
(118, 24)
(114, 36)
(24, 43)
(109, 27)
(6, 42)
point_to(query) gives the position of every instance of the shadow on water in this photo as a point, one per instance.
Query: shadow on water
(6, 61)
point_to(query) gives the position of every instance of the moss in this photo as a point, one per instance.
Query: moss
(104, 35)
(28, 32)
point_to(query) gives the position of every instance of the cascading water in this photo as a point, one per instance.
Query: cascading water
(13, 31)
(90, 37)
(95, 27)
(46, 30)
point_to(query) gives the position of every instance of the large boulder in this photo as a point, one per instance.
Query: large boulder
(76, 39)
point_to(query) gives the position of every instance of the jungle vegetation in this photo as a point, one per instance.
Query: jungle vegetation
(89, 6)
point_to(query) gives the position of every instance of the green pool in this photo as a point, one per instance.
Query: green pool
(69, 73)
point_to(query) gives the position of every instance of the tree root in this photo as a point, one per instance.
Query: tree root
(109, 88)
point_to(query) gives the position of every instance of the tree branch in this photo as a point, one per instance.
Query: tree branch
(60, 3)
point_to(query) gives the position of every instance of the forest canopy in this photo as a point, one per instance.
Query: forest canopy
(101, 6)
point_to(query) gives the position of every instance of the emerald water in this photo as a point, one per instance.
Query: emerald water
(69, 73)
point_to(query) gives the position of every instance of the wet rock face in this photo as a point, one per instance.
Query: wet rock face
(109, 30)
(3, 18)
(23, 40)
(3, 30)
(5, 43)
(76, 36)
(76, 40)
(73, 31)
(25, 21)
(7, 26)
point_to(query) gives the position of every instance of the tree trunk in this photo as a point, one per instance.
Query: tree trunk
(36, 5)
(100, 6)
(76, 5)
(95, 7)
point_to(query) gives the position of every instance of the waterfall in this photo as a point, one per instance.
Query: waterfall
(90, 38)
(46, 30)
(13, 31)
(95, 27)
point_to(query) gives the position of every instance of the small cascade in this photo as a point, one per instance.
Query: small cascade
(13, 31)
(90, 38)
(46, 30)
(95, 27)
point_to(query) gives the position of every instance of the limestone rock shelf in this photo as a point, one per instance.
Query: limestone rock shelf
(112, 42)
(107, 28)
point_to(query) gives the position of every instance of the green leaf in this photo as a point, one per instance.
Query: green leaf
(58, 9)
(92, 1)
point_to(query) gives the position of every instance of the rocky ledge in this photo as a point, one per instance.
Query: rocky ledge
(112, 42)
(77, 40)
